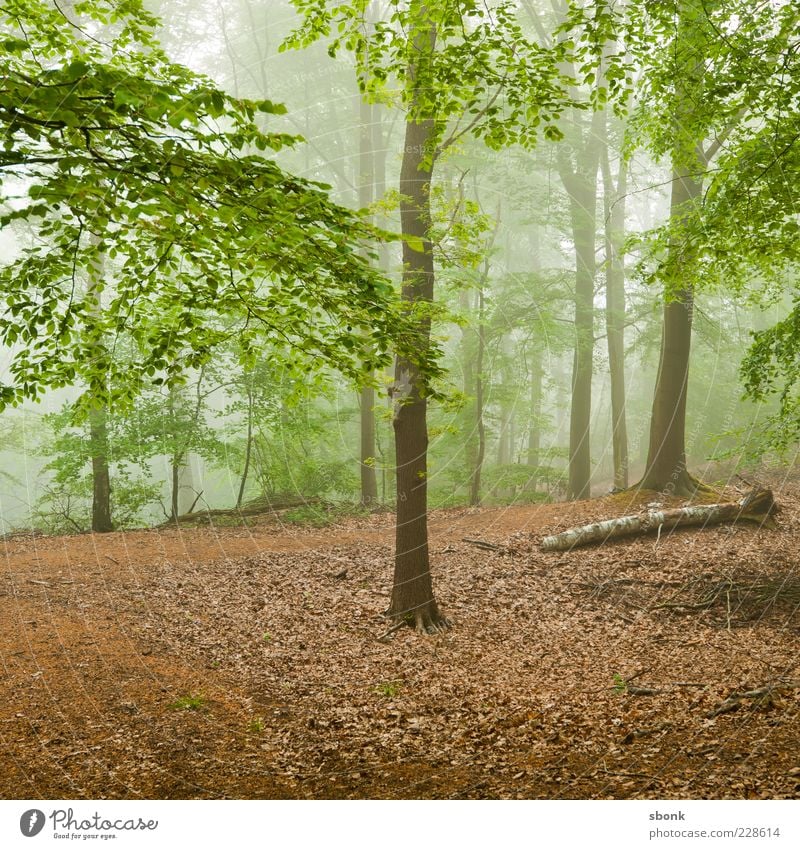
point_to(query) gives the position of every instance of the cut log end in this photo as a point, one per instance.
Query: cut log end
(759, 502)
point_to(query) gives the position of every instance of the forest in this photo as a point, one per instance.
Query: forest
(400, 399)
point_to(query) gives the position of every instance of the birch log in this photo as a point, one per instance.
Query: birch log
(757, 506)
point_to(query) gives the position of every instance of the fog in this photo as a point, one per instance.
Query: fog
(504, 243)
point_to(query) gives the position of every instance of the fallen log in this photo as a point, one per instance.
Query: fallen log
(256, 507)
(757, 506)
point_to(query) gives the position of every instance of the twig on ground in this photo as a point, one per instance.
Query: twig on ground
(642, 691)
(645, 732)
(761, 697)
(384, 637)
(489, 546)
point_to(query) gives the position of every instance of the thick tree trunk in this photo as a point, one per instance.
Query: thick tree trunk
(469, 345)
(187, 485)
(369, 480)
(175, 469)
(248, 449)
(757, 506)
(579, 177)
(98, 425)
(412, 594)
(666, 457)
(614, 204)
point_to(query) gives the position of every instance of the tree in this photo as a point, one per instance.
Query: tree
(578, 160)
(127, 157)
(463, 59)
(707, 100)
(366, 194)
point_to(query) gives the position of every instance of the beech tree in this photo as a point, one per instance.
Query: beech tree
(714, 94)
(455, 69)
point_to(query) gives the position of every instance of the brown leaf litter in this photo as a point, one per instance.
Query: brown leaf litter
(245, 663)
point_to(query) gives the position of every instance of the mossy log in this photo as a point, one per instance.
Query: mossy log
(757, 506)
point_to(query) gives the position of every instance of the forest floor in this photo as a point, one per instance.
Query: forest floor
(244, 662)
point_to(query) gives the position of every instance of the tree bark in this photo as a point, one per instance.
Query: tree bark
(475, 482)
(101, 478)
(666, 456)
(412, 594)
(534, 427)
(98, 425)
(366, 179)
(248, 449)
(614, 207)
(175, 469)
(579, 178)
(582, 194)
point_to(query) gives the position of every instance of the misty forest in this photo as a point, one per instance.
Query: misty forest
(400, 399)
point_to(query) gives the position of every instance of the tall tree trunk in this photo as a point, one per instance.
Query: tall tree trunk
(614, 208)
(101, 479)
(475, 483)
(666, 456)
(469, 344)
(480, 384)
(582, 194)
(366, 177)
(369, 480)
(187, 492)
(579, 177)
(175, 486)
(175, 458)
(412, 594)
(248, 447)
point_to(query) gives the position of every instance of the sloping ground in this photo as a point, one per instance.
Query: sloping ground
(244, 663)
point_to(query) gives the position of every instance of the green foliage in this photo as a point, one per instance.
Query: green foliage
(389, 689)
(65, 505)
(190, 702)
(128, 159)
(772, 368)
(719, 87)
(257, 725)
(482, 70)
(283, 467)
(322, 515)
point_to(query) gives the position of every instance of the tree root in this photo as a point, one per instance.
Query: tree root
(425, 620)
(685, 486)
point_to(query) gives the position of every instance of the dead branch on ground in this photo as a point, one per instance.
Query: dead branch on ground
(758, 506)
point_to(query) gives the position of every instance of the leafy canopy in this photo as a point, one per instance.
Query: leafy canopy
(114, 158)
(483, 75)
